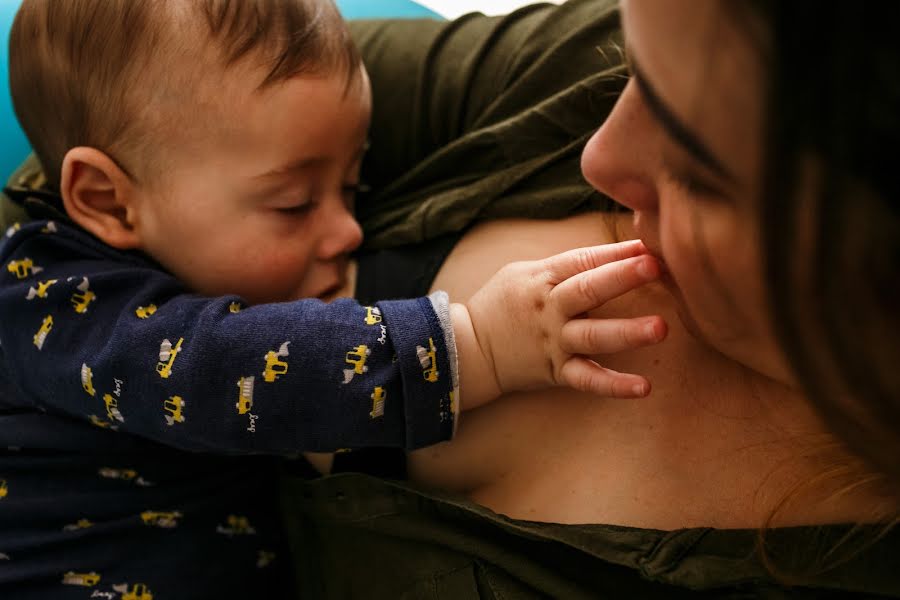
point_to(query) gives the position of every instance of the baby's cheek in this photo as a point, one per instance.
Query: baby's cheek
(274, 275)
(288, 260)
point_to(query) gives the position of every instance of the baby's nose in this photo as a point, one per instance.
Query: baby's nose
(344, 235)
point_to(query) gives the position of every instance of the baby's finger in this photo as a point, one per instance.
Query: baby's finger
(570, 263)
(593, 288)
(587, 376)
(606, 336)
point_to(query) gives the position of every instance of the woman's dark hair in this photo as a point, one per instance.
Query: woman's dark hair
(830, 213)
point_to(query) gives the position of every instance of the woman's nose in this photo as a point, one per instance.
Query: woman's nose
(618, 159)
(343, 233)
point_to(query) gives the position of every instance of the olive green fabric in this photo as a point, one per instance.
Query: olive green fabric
(355, 536)
(28, 175)
(10, 213)
(483, 118)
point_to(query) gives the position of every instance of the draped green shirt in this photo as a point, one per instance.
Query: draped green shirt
(484, 118)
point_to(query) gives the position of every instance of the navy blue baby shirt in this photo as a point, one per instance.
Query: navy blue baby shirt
(121, 393)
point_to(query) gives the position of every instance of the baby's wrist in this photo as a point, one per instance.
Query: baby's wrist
(477, 379)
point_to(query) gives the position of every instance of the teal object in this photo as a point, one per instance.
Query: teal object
(373, 9)
(13, 144)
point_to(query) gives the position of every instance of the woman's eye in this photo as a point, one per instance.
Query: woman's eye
(690, 184)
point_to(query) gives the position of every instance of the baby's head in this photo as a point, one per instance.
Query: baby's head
(221, 137)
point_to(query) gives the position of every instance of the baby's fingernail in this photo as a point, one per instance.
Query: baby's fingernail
(650, 331)
(647, 268)
(640, 389)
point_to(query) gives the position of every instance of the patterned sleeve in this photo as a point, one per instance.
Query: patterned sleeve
(108, 337)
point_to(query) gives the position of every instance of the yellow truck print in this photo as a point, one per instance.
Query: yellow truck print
(87, 380)
(357, 358)
(235, 525)
(13, 229)
(378, 397)
(138, 591)
(275, 367)
(79, 524)
(112, 408)
(95, 420)
(373, 315)
(428, 360)
(110, 473)
(167, 354)
(175, 407)
(84, 579)
(4, 489)
(245, 395)
(454, 403)
(166, 520)
(41, 290)
(264, 559)
(234, 307)
(145, 312)
(82, 297)
(124, 475)
(23, 268)
(41, 336)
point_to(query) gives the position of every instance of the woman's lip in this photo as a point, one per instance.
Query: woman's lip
(663, 267)
(665, 276)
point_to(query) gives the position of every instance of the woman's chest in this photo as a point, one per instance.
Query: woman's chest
(663, 462)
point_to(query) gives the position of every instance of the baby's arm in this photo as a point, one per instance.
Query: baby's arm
(523, 328)
(109, 337)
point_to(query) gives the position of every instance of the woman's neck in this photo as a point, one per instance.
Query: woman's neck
(764, 430)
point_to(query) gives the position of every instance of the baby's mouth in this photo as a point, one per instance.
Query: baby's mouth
(343, 287)
(329, 294)
(332, 292)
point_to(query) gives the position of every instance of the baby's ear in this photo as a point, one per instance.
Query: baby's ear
(99, 196)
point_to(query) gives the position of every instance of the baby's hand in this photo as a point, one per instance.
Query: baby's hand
(529, 326)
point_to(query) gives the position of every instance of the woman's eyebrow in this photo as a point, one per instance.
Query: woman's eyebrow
(674, 127)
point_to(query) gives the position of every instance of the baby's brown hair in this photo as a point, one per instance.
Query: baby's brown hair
(116, 74)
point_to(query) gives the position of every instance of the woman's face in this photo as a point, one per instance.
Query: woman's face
(683, 149)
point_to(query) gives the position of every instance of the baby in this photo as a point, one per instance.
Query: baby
(174, 298)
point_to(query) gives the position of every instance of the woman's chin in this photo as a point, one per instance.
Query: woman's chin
(689, 323)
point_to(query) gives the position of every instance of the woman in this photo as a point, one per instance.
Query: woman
(786, 418)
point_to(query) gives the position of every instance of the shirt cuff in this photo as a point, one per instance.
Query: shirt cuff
(422, 336)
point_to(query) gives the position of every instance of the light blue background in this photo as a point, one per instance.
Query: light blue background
(14, 146)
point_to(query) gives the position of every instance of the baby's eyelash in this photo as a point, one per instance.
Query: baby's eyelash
(298, 209)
